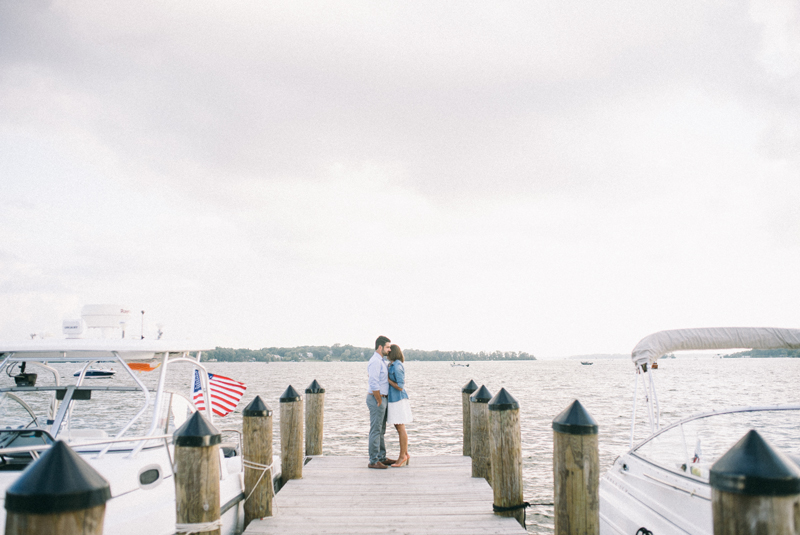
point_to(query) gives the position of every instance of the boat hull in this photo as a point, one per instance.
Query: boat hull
(135, 508)
(635, 493)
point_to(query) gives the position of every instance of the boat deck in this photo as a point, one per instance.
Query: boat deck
(432, 495)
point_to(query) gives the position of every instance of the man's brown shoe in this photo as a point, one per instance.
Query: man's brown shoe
(377, 465)
(387, 462)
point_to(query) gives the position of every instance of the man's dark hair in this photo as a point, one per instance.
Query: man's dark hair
(381, 341)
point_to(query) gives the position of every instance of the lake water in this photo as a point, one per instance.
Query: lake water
(543, 388)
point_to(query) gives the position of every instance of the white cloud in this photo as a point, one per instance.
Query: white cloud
(554, 178)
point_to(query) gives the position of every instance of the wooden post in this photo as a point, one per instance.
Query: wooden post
(755, 489)
(479, 428)
(466, 391)
(576, 475)
(315, 411)
(197, 476)
(506, 453)
(257, 435)
(59, 494)
(291, 435)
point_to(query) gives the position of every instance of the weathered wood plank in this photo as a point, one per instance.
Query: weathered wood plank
(433, 495)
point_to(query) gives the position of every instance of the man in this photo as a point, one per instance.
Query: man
(377, 402)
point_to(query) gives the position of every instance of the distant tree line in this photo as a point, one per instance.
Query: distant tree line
(348, 353)
(766, 354)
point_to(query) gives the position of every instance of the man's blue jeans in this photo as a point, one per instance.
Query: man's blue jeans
(377, 428)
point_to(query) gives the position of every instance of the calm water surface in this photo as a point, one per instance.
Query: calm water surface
(543, 389)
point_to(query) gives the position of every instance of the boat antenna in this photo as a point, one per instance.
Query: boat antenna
(142, 324)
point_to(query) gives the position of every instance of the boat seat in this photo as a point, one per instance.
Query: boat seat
(85, 435)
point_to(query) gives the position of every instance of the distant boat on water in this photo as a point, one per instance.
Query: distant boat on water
(456, 364)
(95, 373)
(586, 363)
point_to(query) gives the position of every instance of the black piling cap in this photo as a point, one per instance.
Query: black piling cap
(469, 388)
(257, 407)
(290, 395)
(753, 466)
(59, 481)
(196, 432)
(503, 401)
(315, 388)
(481, 396)
(575, 421)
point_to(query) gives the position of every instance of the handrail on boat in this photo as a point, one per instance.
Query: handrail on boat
(116, 357)
(238, 434)
(731, 410)
(43, 447)
(144, 406)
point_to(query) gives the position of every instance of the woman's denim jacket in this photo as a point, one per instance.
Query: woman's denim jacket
(397, 373)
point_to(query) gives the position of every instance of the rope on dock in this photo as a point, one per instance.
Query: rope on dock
(523, 505)
(498, 509)
(257, 466)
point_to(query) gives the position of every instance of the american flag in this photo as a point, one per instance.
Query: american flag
(225, 393)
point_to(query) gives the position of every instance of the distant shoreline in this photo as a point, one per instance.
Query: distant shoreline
(765, 354)
(349, 353)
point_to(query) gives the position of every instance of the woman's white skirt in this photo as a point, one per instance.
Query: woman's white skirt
(399, 412)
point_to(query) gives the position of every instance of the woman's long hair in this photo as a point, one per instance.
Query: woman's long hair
(395, 353)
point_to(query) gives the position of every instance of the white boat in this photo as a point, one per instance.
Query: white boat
(124, 431)
(662, 483)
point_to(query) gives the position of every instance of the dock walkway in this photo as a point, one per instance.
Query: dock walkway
(433, 495)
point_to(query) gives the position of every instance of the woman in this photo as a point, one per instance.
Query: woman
(399, 406)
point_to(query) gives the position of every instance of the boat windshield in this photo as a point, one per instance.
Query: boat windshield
(58, 400)
(61, 409)
(691, 446)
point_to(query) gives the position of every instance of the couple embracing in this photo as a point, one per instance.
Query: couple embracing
(388, 403)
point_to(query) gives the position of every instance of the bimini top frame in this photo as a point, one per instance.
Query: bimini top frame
(45, 352)
(652, 347)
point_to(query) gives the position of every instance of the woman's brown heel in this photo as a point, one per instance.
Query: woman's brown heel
(400, 464)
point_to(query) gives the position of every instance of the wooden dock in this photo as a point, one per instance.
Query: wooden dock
(340, 495)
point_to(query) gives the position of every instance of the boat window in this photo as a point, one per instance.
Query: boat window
(150, 476)
(693, 446)
(21, 438)
(119, 407)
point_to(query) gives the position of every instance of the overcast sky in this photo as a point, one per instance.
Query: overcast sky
(559, 177)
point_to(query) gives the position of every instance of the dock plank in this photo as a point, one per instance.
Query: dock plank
(433, 495)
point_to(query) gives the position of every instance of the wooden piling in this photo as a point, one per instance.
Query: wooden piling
(257, 436)
(466, 392)
(291, 435)
(506, 453)
(479, 438)
(315, 411)
(576, 475)
(755, 489)
(74, 505)
(196, 478)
